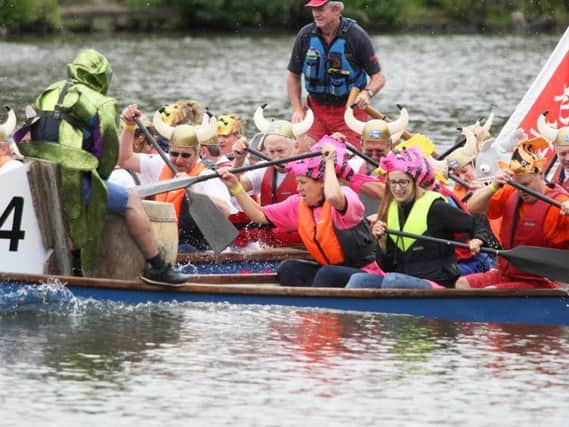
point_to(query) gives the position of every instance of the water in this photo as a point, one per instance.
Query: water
(444, 81)
(93, 363)
(66, 362)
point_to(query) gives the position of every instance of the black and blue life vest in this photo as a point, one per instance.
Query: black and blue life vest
(327, 70)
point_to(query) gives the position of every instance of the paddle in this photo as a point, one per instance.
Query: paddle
(258, 154)
(535, 194)
(376, 164)
(547, 262)
(217, 230)
(452, 149)
(177, 183)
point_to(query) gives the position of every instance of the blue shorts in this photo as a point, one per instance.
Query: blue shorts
(117, 196)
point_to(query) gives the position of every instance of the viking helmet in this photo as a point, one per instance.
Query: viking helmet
(282, 127)
(462, 156)
(8, 126)
(549, 131)
(377, 130)
(482, 132)
(527, 157)
(186, 135)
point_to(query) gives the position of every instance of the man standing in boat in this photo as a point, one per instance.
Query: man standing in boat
(77, 128)
(526, 220)
(335, 55)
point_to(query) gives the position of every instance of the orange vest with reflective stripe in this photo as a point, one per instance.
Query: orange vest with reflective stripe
(176, 197)
(320, 239)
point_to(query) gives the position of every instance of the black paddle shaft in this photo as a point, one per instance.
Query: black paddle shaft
(177, 183)
(534, 193)
(545, 262)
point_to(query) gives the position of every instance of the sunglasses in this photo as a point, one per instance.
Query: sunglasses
(183, 155)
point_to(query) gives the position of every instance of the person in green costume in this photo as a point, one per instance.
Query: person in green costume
(76, 127)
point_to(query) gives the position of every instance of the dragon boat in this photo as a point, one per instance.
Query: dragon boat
(35, 261)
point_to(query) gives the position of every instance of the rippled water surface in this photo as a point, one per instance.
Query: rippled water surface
(89, 363)
(65, 362)
(444, 81)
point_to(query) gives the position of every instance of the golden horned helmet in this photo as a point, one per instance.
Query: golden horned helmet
(186, 135)
(282, 127)
(376, 130)
(527, 157)
(466, 154)
(549, 131)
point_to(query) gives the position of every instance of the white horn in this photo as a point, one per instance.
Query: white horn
(354, 124)
(547, 131)
(163, 129)
(208, 131)
(305, 125)
(10, 124)
(30, 112)
(488, 123)
(471, 145)
(399, 125)
(262, 124)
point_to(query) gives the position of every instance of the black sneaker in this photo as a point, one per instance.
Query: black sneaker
(165, 276)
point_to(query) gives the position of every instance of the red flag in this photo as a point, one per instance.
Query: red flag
(549, 92)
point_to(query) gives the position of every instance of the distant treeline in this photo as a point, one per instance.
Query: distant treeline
(285, 15)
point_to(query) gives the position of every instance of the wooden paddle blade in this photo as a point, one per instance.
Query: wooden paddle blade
(215, 227)
(547, 262)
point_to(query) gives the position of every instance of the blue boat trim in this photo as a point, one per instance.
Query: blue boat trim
(532, 306)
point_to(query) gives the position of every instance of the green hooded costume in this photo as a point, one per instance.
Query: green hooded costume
(87, 146)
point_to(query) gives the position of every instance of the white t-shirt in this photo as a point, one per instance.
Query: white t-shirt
(256, 178)
(123, 178)
(151, 167)
(10, 165)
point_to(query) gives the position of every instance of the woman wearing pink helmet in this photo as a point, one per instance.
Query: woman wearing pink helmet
(409, 207)
(329, 219)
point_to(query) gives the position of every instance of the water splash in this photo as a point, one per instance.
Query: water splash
(19, 296)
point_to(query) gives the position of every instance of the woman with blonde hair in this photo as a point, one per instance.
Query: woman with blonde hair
(410, 207)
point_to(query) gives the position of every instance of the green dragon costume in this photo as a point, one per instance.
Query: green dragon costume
(77, 128)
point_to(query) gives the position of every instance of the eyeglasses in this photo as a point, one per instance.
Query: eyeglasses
(403, 183)
(183, 155)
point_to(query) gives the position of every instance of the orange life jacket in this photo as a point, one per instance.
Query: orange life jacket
(319, 238)
(176, 197)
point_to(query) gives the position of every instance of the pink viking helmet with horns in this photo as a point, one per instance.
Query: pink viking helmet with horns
(186, 135)
(7, 128)
(282, 127)
(550, 132)
(412, 162)
(314, 166)
(378, 129)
